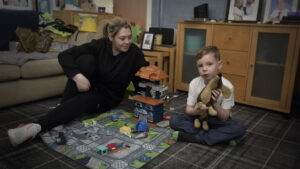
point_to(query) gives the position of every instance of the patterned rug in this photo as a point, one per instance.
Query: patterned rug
(98, 143)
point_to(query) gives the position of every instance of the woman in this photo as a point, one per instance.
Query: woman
(99, 73)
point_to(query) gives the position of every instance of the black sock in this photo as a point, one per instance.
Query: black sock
(187, 137)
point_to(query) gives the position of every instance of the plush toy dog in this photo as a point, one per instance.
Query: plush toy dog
(204, 100)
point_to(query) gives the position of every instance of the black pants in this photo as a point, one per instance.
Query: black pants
(74, 103)
(219, 131)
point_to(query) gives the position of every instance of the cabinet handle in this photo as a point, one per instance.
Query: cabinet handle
(227, 62)
(251, 65)
(230, 38)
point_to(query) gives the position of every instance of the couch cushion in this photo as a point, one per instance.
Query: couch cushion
(9, 72)
(20, 91)
(41, 68)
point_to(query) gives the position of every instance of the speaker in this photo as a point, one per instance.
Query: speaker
(201, 11)
(167, 34)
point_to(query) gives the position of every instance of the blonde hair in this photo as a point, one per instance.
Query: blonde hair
(114, 25)
(206, 50)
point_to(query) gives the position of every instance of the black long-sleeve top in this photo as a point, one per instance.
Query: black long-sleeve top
(113, 73)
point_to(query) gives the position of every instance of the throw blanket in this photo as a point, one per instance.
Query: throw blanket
(19, 58)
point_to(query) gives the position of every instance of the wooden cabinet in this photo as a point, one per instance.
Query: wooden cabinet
(236, 38)
(259, 59)
(272, 67)
(233, 43)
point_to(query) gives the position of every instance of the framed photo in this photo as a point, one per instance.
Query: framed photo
(276, 9)
(16, 4)
(244, 10)
(43, 6)
(56, 4)
(147, 42)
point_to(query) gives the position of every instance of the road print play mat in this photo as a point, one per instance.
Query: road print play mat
(81, 138)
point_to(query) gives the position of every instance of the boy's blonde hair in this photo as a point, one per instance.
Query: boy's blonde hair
(206, 50)
(114, 25)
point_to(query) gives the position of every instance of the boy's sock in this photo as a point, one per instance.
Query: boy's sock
(232, 142)
(23, 132)
(187, 137)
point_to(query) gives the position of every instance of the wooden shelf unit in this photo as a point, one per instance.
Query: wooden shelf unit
(164, 57)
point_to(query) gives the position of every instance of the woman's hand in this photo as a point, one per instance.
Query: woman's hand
(82, 83)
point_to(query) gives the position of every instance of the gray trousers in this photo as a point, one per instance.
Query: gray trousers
(219, 131)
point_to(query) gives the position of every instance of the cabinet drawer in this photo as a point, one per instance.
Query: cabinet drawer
(234, 62)
(239, 83)
(231, 38)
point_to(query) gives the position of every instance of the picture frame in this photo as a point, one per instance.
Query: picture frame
(271, 13)
(243, 10)
(147, 42)
(56, 5)
(16, 5)
(43, 6)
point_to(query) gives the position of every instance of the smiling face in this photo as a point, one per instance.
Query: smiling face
(121, 41)
(208, 67)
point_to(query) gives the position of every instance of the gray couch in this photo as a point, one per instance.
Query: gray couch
(29, 81)
(25, 77)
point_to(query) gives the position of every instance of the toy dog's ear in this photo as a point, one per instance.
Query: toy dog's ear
(226, 91)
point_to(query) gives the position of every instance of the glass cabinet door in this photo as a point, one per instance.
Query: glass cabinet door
(194, 39)
(269, 65)
(191, 37)
(268, 69)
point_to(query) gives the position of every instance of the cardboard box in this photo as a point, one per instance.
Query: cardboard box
(58, 38)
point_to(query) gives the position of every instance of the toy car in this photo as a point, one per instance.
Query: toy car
(145, 158)
(114, 117)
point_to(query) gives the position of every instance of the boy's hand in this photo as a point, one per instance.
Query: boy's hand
(215, 95)
(197, 110)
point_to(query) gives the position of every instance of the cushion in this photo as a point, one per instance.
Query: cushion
(9, 72)
(41, 68)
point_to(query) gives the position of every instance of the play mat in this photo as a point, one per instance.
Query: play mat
(83, 140)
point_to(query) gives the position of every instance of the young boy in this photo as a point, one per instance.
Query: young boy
(221, 127)
(280, 11)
